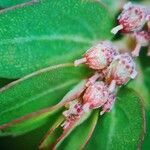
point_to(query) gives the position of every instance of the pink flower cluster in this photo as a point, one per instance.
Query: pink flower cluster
(112, 69)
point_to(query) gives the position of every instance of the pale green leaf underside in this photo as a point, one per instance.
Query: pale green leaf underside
(49, 32)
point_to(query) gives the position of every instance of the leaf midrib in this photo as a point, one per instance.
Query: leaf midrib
(69, 38)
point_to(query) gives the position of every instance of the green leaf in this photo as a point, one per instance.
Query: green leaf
(52, 134)
(142, 86)
(30, 122)
(65, 134)
(145, 144)
(38, 90)
(49, 32)
(81, 134)
(139, 85)
(28, 141)
(56, 135)
(147, 79)
(144, 59)
(9, 3)
(123, 127)
(147, 136)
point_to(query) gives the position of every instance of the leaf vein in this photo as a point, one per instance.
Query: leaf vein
(69, 38)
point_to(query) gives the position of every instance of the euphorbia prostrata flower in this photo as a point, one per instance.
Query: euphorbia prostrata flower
(93, 97)
(96, 96)
(120, 71)
(99, 56)
(132, 18)
(74, 111)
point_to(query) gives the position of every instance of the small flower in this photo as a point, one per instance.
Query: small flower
(74, 112)
(99, 56)
(120, 71)
(142, 39)
(95, 96)
(75, 108)
(132, 18)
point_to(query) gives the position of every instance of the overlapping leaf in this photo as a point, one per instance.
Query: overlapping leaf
(81, 135)
(41, 89)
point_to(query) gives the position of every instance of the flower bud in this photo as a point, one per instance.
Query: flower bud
(75, 108)
(99, 56)
(95, 96)
(74, 112)
(132, 18)
(121, 70)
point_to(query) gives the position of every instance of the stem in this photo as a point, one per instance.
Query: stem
(136, 51)
(93, 79)
(79, 61)
(86, 107)
(116, 29)
(148, 53)
(102, 112)
(112, 86)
